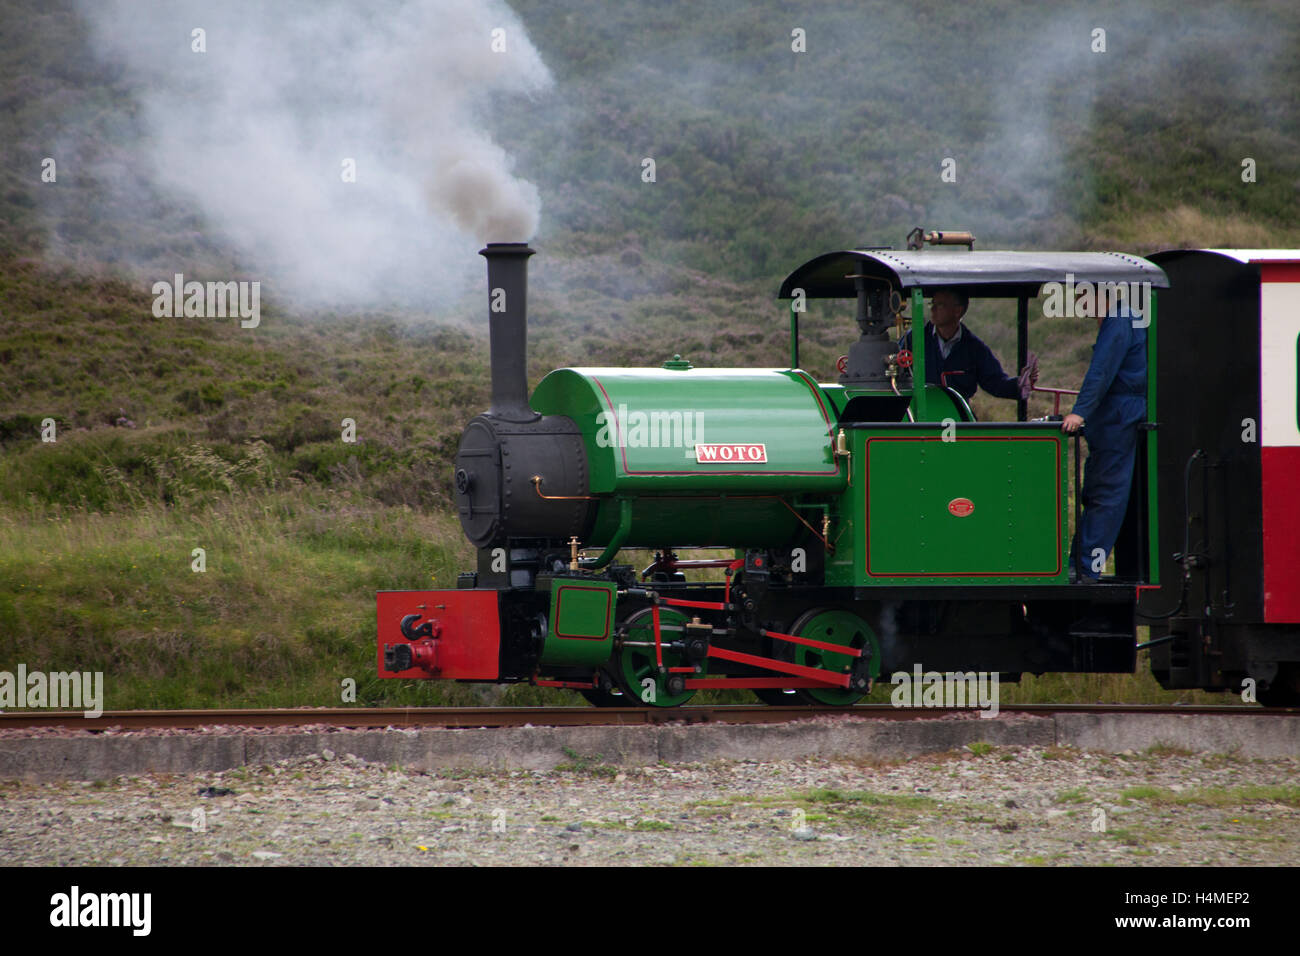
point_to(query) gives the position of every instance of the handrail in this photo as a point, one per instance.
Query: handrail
(1057, 393)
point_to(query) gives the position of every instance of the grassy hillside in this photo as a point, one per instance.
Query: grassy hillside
(176, 434)
(765, 155)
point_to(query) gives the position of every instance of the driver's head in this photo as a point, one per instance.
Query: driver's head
(947, 306)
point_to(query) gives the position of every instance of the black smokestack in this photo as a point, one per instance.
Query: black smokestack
(508, 329)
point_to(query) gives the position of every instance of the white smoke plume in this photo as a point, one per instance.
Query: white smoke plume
(256, 133)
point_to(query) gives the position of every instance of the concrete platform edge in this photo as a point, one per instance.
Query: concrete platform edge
(545, 748)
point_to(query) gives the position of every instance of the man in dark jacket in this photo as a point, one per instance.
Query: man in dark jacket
(955, 356)
(1111, 404)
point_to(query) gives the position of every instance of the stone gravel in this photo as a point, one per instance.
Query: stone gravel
(987, 806)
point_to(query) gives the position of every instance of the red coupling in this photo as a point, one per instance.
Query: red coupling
(424, 654)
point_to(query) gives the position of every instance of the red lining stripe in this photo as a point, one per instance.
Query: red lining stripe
(566, 588)
(866, 531)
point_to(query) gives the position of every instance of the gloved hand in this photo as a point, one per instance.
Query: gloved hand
(1029, 376)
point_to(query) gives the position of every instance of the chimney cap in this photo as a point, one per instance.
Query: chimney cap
(507, 249)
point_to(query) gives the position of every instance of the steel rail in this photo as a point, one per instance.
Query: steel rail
(500, 717)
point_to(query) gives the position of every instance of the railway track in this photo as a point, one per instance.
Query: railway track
(493, 717)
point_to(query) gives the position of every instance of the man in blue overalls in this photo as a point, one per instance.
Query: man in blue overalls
(1111, 404)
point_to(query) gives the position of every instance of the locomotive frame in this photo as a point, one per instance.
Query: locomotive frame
(875, 525)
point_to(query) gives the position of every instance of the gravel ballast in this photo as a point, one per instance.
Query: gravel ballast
(979, 805)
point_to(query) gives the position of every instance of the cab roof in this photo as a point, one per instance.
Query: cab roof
(981, 274)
